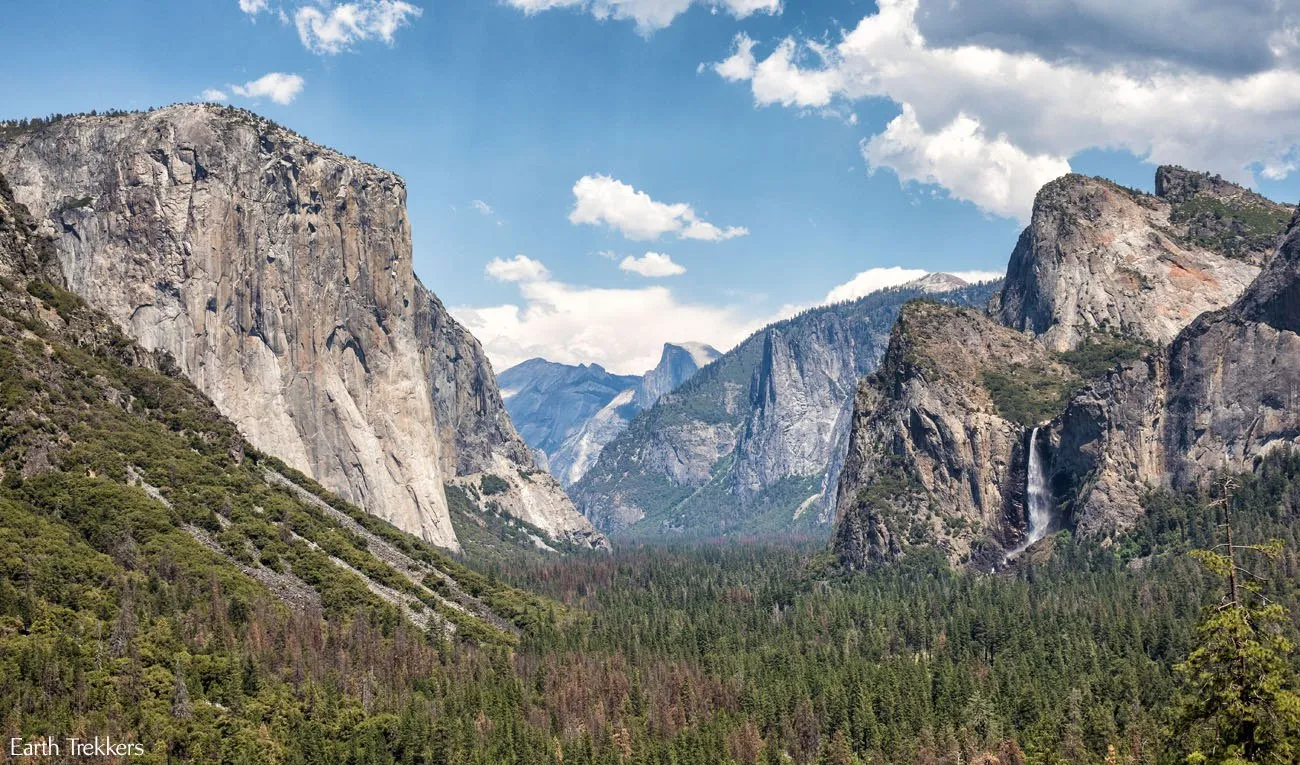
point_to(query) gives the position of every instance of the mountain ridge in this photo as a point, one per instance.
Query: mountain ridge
(252, 256)
(753, 434)
(1096, 299)
(584, 407)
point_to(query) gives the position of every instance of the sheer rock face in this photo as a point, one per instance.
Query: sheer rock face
(930, 460)
(1221, 387)
(1110, 448)
(749, 442)
(1097, 256)
(549, 402)
(278, 275)
(1223, 394)
(796, 395)
(677, 364)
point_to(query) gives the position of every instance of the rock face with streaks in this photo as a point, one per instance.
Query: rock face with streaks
(1136, 332)
(277, 273)
(549, 402)
(1099, 257)
(932, 459)
(1225, 392)
(746, 444)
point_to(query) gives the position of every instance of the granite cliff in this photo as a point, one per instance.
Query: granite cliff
(1111, 336)
(1099, 257)
(278, 275)
(1224, 393)
(748, 443)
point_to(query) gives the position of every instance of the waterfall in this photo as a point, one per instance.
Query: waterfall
(1038, 498)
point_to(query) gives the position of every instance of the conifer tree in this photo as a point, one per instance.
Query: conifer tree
(1240, 703)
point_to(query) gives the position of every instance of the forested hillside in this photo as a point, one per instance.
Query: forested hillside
(754, 653)
(163, 583)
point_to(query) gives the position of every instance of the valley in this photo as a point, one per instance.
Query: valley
(264, 500)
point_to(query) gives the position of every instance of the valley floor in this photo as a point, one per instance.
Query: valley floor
(748, 653)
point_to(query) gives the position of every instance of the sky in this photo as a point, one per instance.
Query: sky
(588, 179)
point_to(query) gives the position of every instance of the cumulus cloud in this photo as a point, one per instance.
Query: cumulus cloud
(649, 15)
(873, 280)
(330, 29)
(993, 173)
(481, 206)
(252, 7)
(601, 199)
(520, 268)
(625, 329)
(1025, 114)
(279, 87)
(621, 329)
(1234, 38)
(213, 94)
(652, 265)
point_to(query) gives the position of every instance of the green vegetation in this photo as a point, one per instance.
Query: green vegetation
(711, 511)
(489, 536)
(1028, 395)
(1102, 353)
(1240, 702)
(493, 484)
(116, 618)
(1233, 227)
(157, 586)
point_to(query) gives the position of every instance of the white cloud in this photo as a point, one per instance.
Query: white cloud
(213, 94)
(520, 268)
(649, 15)
(873, 280)
(601, 199)
(652, 265)
(277, 86)
(972, 105)
(330, 29)
(977, 277)
(621, 329)
(252, 7)
(994, 174)
(625, 329)
(483, 207)
(876, 279)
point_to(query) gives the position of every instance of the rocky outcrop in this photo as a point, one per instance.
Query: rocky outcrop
(1098, 257)
(745, 445)
(549, 402)
(581, 449)
(277, 273)
(1234, 376)
(1222, 395)
(1124, 357)
(932, 460)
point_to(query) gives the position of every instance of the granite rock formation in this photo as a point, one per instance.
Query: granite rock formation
(278, 274)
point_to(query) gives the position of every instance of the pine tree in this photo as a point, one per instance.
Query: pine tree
(1240, 704)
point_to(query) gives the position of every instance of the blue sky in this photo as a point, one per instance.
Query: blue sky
(840, 137)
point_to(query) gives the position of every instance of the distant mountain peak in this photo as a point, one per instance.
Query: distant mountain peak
(937, 282)
(701, 353)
